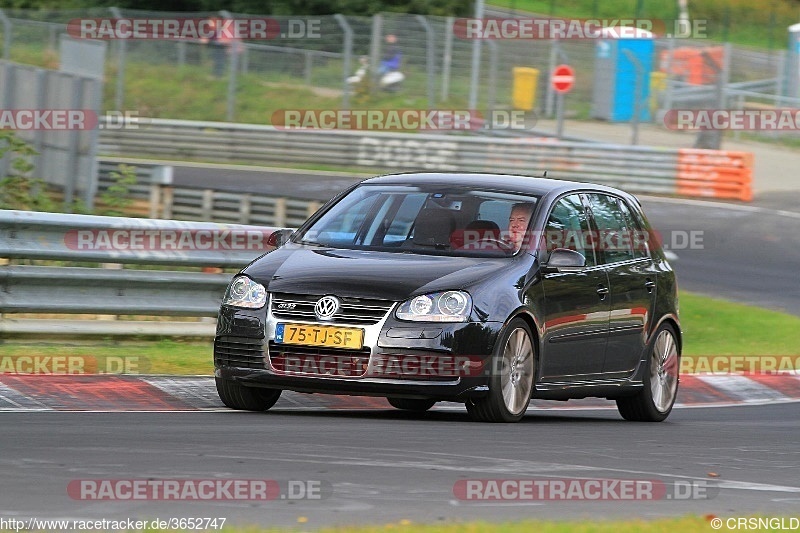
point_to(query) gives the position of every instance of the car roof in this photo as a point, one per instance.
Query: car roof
(505, 182)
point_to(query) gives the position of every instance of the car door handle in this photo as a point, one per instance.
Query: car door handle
(602, 291)
(649, 285)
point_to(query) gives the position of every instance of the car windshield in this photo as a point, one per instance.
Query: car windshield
(440, 220)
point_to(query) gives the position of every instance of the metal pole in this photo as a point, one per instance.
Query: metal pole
(348, 56)
(9, 72)
(447, 58)
(492, 77)
(121, 45)
(476, 61)
(637, 95)
(96, 87)
(232, 71)
(559, 115)
(6, 35)
(553, 61)
(375, 51)
(430, 60)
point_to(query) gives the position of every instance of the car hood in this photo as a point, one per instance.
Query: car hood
(369, 274)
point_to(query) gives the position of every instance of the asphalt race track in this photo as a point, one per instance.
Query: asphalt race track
(383, 465)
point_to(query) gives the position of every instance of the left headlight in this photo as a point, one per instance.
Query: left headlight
(244, 292)
(449, 306)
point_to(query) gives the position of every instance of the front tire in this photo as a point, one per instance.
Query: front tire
(237, 396)
(660, 383)
(411, 404)
(511, 379)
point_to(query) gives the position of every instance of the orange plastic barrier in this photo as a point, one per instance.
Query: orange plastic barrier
(688, 64)
(715, 173)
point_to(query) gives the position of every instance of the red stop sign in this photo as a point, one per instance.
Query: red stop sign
(563, 78)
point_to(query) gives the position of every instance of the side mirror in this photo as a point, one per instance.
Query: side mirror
(564, 260)
(279, 237)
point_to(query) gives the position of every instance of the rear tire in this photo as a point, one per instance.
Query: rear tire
(237, 396)
(511, 379)
(660, 382)
(408, 404)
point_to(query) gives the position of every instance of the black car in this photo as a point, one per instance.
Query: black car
(483, 289)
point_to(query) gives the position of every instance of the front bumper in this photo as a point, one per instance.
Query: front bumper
(445, 361)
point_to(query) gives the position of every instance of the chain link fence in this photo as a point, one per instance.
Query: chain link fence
(311, 59)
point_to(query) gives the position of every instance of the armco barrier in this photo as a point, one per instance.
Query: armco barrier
(116, 242)
(633, 168)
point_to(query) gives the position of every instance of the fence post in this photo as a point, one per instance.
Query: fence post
(375, 50)
(476, 61)
(6, 35)
(245, 205)
(121, 46)
(232, 68)
(447, 57)
(208, 204)
(348, 56)
(492, 77)
(429, 59)
(160, 180)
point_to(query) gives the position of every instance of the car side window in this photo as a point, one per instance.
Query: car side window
(638, 236)
(568, 227)
(614, 236)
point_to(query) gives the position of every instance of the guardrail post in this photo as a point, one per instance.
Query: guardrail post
(6, 35)
(280, 212)
(208, 204)
(245, 205)
(430, 61)
(160, 180)
(447, 57)
(312, 207)
(348, 56)
(121, 45)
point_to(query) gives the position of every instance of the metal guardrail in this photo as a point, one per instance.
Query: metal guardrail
(634, 168)
(113, 243)
(159, 198)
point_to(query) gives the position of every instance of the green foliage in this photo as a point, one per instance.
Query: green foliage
(117, 197)
(19, 190)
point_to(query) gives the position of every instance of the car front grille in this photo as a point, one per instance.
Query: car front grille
(311, 360)
(361, 311)
(240, 352)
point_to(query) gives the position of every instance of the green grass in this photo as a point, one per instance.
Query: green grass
(687, 524)
(718, 327)
(710, 327)
(743, 22)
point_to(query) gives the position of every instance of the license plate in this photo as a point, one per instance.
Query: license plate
(314, 335)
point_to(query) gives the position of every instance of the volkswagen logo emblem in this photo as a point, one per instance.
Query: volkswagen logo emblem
(326, 307)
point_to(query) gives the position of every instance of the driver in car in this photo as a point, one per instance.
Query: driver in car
(518, 224)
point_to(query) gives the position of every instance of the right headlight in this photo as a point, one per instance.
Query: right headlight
(448, 306)
(244, 292)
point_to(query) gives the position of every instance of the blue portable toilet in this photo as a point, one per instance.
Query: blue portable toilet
(615, 74)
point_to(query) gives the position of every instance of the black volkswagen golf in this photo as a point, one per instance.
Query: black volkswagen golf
(483, 289)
